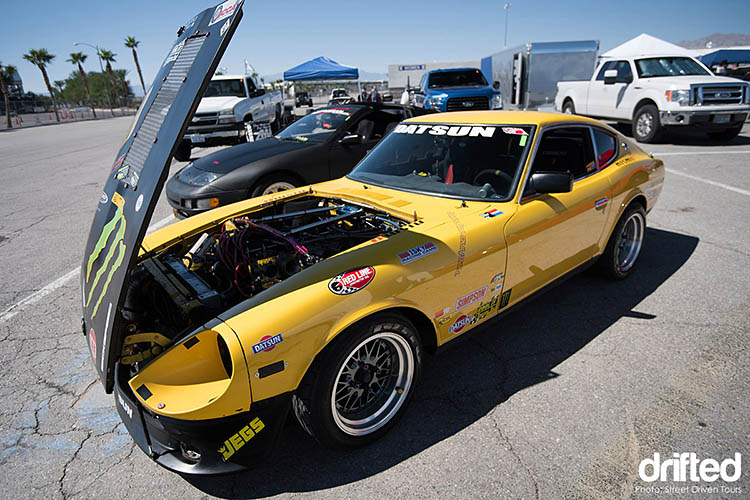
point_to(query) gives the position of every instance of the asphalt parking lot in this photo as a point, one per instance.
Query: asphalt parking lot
(561, 399)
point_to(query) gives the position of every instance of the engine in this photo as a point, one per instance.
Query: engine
(192, 282)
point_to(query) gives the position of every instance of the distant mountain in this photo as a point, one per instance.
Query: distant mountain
(367, 76)
(717, 40)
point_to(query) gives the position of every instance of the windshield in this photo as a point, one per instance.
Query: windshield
(317, 126)
(480, 162)
(668, 66)
(225, 88)
(465, 78)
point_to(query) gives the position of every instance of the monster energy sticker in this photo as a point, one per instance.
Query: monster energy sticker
(115, 250)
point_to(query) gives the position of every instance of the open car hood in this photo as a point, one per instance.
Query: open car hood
(136, 179)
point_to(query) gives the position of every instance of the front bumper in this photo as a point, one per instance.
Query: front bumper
(216, 446)
(215, 135)
(709, 119)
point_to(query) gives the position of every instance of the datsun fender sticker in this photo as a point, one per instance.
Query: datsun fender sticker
(238, 440)
(417, 253)
(351, 281)
(471, 298)
(461, 323)
(267, 343)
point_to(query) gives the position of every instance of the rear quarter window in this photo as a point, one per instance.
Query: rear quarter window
(606, 148)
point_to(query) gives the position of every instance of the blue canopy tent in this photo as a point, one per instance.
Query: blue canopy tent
(732, 56)
(321, 68)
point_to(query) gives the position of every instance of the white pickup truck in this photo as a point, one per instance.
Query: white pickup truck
(656, 92)
(232, 110)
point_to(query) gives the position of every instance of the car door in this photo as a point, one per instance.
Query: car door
(258, 107)
(598, 92)
(551, 234)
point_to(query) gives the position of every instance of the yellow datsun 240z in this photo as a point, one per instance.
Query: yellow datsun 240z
(323, 299)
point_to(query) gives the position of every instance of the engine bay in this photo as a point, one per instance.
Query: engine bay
(196, 279)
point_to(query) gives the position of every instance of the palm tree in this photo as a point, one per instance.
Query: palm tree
(132, 43)
(109, 57)
(79, 58)
(7, 74)
(40, 58)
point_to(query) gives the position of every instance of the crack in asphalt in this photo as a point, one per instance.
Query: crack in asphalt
(511, 448)
(60, 482)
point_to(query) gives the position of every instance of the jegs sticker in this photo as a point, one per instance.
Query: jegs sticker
(471, 298)
(223, 11)
(238, 440)
(417, 253)
(267, 343)
(351, 281)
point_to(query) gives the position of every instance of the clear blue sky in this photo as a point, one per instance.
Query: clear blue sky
(275, 36)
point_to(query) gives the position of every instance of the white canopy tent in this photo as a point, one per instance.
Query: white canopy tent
(646, 45)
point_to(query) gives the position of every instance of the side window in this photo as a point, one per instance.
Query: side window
(607, 65)
(250, 85)
(624, 73)
(606, 148)
(423, 82)
(565, 149)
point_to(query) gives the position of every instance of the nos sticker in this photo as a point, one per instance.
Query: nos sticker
(351, 281)
(417, 253)
(267, 343)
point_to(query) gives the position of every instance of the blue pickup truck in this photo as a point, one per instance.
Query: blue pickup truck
(457, 89)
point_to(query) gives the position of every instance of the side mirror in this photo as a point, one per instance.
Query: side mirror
(628, 79)
(496, 85)
(610, 76)
(350, 140)
(550, 182)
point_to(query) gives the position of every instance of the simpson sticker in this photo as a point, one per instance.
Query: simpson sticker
(514, 131)
(351, 281)
(460, 323)
(484, 309)
(452, 131)
(417, 253)
(471, 298)
(238, 440)
(224, 11)
(267, 343)
(505, 298)
(491, 213)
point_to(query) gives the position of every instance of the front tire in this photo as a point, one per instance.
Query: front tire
(726, 135)
(646, 125)
(361, 384)
(274, 184)
(625, 244)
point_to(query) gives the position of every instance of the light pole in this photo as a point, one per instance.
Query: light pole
(101, 68)
(507, 11)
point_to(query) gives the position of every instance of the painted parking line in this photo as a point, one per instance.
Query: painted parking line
(708, 181)
(59, 282)
(695, 153)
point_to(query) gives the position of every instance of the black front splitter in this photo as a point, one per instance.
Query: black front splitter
(216, 446)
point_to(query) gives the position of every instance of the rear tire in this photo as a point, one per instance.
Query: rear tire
(361, 384)
(646, 125)
(568, 108)
(183, 151)
(625, 244)
(725, 135)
